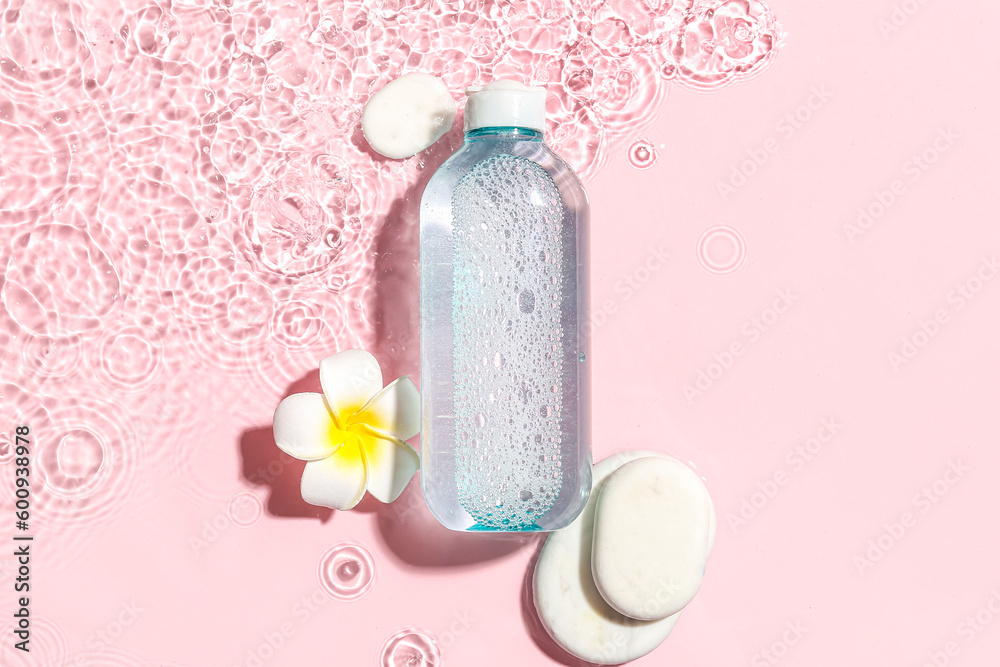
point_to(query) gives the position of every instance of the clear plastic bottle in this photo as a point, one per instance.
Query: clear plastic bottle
(504, 367)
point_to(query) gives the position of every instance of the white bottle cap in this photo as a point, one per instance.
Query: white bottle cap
(505, 103)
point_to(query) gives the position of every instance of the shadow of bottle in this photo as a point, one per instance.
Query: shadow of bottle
(397, 276)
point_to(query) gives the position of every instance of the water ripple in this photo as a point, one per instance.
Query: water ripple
(410, 647)
(87, 461)
(299, 223)
(59, 282)
(45, 356)
(723, 42)
(190, 215)
(128, 358)
(347, 571)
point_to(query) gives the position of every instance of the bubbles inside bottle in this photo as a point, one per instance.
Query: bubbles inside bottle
(510, 346)
(526, 301)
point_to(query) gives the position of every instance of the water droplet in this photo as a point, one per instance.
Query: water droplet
(347, 571)
(526, 495)
(332, 237)
(480, 419)
(583, 357)
(410, 648)
(641, 154)
(333, 172)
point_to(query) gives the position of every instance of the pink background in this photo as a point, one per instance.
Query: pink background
(149, 549)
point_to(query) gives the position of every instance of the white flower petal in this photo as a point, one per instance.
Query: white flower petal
(304, 428)
(349, 378)
(337, 481)
(391, 464)
(394, 411)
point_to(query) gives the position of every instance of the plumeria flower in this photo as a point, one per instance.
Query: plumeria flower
(352, 434)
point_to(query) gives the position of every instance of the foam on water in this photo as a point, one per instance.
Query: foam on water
(509, 340)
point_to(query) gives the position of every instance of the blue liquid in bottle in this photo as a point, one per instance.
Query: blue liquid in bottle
(503, 299)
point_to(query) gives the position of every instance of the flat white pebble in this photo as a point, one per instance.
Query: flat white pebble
(652, 535)
(407, 115)
(566, 597)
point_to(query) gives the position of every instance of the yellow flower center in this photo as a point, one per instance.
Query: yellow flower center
(354, 442)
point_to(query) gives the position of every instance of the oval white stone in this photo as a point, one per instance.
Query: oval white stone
(407, 115)
(567, 599)
(652, 535)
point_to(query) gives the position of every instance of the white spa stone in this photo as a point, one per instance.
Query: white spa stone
(407, 115)
(652, 536)
(566, 597)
